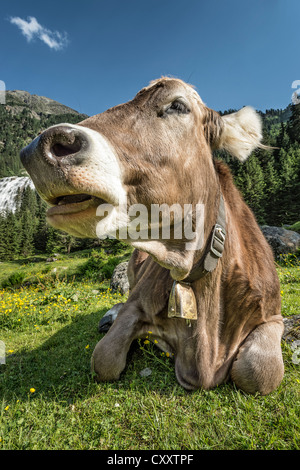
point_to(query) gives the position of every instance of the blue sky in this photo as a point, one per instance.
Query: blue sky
(91, 55)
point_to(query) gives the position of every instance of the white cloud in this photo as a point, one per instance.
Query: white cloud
(32, 29)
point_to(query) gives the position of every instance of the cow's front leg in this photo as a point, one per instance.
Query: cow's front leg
(259, 365)
(109, 356)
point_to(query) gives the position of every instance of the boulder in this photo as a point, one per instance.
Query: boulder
(119, 280)
(282, 241)
(291, 328)
(109, 317)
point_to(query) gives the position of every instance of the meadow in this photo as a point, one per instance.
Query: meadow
(49, 313)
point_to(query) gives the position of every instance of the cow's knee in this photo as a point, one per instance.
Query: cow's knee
(107, 362)
(109, 356)
(259, 365)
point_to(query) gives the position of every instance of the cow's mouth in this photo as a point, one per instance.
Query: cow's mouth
(73, 203)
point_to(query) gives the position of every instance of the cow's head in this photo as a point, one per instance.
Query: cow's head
(155, 149)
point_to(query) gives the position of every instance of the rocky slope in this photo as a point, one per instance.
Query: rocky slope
(17, 100)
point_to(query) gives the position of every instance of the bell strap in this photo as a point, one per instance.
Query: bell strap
(214, 247)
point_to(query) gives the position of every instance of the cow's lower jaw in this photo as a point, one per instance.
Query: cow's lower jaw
(76, 218)
(73, 204)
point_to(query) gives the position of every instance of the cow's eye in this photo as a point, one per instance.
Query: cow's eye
(177, 107)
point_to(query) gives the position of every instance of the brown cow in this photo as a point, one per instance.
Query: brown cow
(155, 150)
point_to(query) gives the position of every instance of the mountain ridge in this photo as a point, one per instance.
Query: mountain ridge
(17, 100)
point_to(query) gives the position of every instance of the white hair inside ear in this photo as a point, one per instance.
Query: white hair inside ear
(242, 133)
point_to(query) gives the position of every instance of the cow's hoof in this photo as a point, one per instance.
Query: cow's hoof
(109, 317)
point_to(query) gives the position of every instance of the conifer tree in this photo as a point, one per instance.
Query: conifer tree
(272, 182)
(3, 233)
(251, 182)
(294, 124)
(28, 228)
(12, 236)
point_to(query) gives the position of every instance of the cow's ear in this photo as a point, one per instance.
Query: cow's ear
(213, 127)
(239, 133)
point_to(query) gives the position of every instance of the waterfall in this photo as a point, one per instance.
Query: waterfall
(11, 190)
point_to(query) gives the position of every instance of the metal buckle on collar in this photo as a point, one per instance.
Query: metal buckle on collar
(218, 241)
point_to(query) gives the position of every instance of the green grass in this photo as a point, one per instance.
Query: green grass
(295, 227)
(48, 399)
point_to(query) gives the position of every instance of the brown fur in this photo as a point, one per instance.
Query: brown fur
(168, 159)
(233, 301)
(242, 293)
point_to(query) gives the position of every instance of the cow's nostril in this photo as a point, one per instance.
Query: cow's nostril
(65, 149)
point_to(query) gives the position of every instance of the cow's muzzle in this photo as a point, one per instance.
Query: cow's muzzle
(58, 146)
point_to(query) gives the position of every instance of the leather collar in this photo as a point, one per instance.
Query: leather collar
(182, 300)
(214, 247)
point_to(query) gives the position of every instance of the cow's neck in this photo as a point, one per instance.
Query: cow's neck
(183, 262)
(182, 299)
(213, 247)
